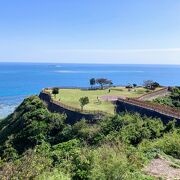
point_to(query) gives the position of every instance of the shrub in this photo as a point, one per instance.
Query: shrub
(54, 175)
(169, 144)
(55, 91)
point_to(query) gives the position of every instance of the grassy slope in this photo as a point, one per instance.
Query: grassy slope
(71, 97)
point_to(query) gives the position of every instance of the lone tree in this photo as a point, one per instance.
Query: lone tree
(92, 82)
(83, 101)
(103, 81)
(55, 91)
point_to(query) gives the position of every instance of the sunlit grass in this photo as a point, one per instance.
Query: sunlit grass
(71, 97)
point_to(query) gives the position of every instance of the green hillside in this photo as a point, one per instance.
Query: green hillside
(38, 144)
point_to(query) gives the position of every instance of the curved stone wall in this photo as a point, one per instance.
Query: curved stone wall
(72, 115)
(131, 105)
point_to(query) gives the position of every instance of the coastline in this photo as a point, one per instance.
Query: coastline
(9, 103)
(20, 80)
(5, 110)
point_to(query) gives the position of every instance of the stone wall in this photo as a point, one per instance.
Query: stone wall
(72, 115)
(125, 106)
(166, 114)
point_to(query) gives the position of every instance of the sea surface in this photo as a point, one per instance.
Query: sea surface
(19, 80)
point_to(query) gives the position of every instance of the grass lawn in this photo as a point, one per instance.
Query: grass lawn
(71, 97)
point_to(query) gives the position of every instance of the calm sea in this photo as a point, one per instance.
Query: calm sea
(18, 80)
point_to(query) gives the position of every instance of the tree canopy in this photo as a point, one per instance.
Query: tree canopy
(83, 101)
(103, 81)
(92, 81)
(55, 91)
(149, 84)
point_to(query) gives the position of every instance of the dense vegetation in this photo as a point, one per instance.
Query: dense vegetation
(37, 144)
(172, 100)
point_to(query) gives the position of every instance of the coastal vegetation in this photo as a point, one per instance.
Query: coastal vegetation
(38, 144)
(172, 100)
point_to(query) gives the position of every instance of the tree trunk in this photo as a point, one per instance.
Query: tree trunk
(81, 108)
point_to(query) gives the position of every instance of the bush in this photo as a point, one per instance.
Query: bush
(28, 167)
(109, 163)
(114, 161)
(169, 144)
(55, 91)
(172, 100)
(30, 125)
(54, 175)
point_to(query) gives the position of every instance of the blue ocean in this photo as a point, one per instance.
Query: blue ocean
(19, 80)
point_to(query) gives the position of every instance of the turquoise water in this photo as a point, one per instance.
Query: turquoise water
(18, 80)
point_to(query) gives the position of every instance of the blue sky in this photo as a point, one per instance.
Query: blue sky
(90, 31)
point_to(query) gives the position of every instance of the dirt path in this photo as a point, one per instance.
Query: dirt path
(162, 168)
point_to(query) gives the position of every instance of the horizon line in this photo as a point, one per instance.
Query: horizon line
(48, 62)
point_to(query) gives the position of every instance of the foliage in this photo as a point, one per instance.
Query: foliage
(92, 82)
(169, 144)
(172, 100)
(134, 85)
(83, 101)
(30, 165)
(149, 84)
(54, 175)
(38, 144)
(175, 96)
(129, 87)
(29, 125)
(103, 81)
(55, 91)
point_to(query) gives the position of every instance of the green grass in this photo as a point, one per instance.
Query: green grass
(71, 97)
